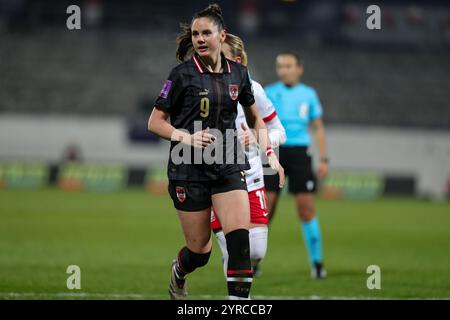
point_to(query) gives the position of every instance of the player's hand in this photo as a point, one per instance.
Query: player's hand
(275, 165)
(246, 137)
(202, 139)
(323, 170)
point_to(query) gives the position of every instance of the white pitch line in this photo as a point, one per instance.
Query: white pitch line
(85, 295)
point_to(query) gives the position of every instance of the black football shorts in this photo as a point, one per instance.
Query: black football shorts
(196, 195)
(297, 164)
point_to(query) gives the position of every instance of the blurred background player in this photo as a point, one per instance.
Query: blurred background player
(299, 108)
(233, 49)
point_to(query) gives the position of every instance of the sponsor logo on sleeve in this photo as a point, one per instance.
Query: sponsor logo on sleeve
(165, 89)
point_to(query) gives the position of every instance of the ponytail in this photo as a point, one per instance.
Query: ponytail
(184, 42)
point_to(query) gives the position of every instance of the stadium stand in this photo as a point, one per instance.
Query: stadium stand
(109, 72)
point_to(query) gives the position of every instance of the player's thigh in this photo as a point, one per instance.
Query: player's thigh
(233, 210)
(230, 201)
(196, 229)
(271, 200)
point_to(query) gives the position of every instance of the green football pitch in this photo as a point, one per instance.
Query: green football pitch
(124, 242)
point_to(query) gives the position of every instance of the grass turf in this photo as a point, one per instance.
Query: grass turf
(124, 243)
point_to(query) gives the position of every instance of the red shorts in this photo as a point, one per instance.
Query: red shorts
(258, 210)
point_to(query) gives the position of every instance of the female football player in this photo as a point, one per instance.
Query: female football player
(200, 97)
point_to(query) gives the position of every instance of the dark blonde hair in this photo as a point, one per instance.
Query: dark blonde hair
(237, 47)
(184, 37)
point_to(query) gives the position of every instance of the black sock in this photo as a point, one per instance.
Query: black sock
(239, 272)
(188, 261)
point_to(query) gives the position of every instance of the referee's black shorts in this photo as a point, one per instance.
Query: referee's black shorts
(297, 164)
(196, 195)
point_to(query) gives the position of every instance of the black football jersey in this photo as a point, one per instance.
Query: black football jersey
(193, 94)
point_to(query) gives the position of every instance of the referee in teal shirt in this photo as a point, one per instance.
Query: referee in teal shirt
(298, 108)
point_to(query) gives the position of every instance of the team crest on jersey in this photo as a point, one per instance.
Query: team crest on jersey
(233, 89)
(181, 194)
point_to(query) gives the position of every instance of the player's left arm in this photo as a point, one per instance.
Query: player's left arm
(319, 129)
(320, 134)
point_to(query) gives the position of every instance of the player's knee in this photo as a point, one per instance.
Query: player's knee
(238, 248)
(306, 216)
(306, 211)
(190, 260)
(258, 243)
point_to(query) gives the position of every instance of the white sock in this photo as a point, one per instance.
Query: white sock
(258, 244)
